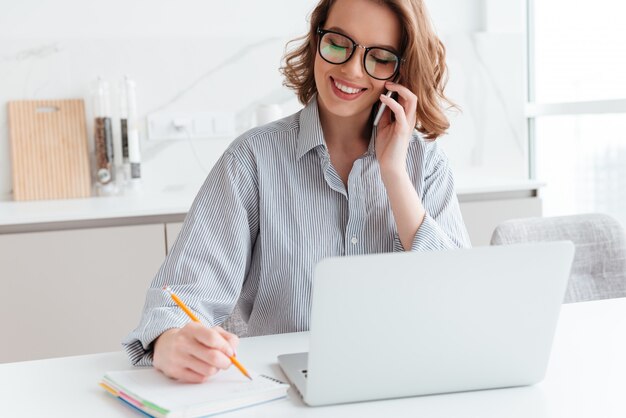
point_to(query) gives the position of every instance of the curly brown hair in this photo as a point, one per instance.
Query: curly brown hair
(423, 70)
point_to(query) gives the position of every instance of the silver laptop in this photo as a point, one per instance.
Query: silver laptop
(396, 325)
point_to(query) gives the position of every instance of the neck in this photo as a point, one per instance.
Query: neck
(348, 132)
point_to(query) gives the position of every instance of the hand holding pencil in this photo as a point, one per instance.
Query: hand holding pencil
(194, 353)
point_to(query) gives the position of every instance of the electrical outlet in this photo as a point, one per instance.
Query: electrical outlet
(198, 125)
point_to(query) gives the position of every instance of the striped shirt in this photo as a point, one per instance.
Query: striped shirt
(270, 209)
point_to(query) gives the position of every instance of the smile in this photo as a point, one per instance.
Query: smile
(346, 92)
(346, 89)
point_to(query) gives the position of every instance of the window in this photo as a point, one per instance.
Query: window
(577, 105)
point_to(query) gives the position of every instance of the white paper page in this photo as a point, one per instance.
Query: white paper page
(155, 387)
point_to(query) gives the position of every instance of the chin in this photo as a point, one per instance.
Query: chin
(349, 113)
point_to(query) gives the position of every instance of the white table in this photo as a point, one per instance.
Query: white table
(586, 378)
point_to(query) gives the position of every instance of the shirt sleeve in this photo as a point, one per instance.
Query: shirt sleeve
(209, 261)
(443, 227)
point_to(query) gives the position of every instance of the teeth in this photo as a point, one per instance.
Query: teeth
(346, 89)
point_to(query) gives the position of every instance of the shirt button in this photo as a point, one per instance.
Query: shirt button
(354, 241)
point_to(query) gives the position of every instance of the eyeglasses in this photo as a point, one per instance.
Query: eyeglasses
(336, 48)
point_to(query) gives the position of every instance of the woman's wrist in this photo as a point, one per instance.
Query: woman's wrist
(162, 340)
(393, 175)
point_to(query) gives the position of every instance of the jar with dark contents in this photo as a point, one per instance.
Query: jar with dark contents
(103, 134)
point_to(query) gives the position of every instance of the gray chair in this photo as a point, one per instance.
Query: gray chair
(599, 267)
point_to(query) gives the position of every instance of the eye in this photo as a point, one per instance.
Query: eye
(383, 57)
(382, 61)
(337, 41)
(337, 47)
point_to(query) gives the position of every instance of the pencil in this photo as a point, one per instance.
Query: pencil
(194, 318)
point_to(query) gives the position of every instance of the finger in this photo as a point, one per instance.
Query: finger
(219, 359)
(403, 92)
(209, 356)
(190, 376)
(396, 108)
(213, 339)
(407, 98)
(232, 339)
(385, 119)
(199, 366)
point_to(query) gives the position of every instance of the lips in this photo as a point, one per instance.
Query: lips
(345, 90)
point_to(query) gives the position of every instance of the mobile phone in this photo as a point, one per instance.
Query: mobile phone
(381, 109)
(383, 106)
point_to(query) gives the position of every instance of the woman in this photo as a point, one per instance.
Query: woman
(322, 182)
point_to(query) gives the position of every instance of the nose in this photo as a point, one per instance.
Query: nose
(354, 66)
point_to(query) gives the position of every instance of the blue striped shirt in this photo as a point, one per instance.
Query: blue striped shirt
(270, 209)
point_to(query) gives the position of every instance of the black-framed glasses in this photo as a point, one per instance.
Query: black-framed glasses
(336, 48)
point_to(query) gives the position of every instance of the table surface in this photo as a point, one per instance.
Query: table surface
(586, 377)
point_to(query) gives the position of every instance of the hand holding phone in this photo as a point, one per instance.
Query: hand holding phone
(381, 109)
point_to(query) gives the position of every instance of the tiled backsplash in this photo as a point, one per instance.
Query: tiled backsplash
(234, 68)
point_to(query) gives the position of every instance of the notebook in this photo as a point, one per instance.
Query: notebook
(156, 395)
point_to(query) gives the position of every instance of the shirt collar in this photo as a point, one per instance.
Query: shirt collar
(310, 135)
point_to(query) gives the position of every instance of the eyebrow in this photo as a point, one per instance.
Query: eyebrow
(343, 32)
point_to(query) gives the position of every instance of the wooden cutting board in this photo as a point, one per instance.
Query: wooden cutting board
(49, 154)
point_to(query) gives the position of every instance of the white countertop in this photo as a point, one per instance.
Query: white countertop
(495, 185)
(154, 204)
(45, 211)
(585, 378)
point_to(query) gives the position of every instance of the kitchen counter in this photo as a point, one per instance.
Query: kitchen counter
(473, 188)
(155, 207)
(45, 215)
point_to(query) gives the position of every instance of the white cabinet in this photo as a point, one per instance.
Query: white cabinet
(171, 232)
(74, 292)
(482, 216)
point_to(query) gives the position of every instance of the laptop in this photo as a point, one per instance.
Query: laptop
(407, 324)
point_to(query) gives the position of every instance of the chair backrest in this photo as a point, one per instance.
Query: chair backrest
(599, 267)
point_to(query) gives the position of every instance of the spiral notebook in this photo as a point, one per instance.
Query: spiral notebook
(156, 395)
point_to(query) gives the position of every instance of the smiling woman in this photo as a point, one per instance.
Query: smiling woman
(320, 183)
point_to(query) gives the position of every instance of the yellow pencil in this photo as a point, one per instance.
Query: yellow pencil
(194, 318)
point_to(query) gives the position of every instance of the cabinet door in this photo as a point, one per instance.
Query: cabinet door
(74, 291)
(482, 217)
(171, 233)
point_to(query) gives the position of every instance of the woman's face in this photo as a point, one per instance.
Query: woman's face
(368, 24)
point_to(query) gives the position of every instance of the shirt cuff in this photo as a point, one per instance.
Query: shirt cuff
(137, 354)
(429, 237)
(139, 344)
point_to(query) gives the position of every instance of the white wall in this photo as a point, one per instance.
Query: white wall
(55, 49)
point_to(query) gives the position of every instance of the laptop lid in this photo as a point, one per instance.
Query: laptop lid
(406, 324)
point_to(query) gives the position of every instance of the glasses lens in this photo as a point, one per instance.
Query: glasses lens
(335, 48)
(380, 63)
